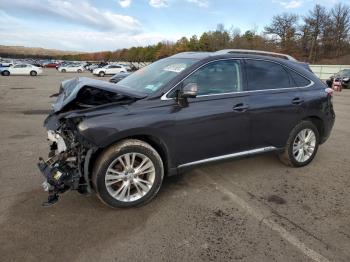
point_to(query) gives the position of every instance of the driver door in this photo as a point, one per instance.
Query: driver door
(216, 122)
(18, 70)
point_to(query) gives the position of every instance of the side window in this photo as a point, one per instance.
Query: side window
(263, 75)
(299, 81)
(217, 78)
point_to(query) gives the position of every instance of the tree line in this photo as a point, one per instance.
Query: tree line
(321, 34)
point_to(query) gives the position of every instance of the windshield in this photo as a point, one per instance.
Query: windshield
(152, 77)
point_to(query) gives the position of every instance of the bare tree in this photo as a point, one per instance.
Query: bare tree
(341, 23)
(285, 27)
(313, 25)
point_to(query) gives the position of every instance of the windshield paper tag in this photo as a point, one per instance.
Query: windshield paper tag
(177, 68)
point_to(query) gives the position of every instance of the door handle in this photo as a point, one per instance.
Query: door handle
(297, 101)
(240, 107)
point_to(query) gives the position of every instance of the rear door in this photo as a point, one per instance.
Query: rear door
(274, 102)
(216, 122)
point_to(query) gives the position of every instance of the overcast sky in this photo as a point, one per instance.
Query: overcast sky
(95, 25)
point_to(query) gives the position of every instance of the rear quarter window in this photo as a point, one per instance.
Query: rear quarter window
(299, 80)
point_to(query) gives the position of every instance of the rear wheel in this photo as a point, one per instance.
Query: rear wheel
(302, 145)
(5, 73)
(128, 174)
(33, 73)
(101, 73)
(79, 71)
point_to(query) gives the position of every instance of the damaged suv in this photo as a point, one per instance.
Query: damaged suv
(189, 109)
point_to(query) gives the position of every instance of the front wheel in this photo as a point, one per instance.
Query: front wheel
(33, 73)
(101, 74)
(128, 174)
(80, 71)
(63, 71)
(302, 145)
(5, 73)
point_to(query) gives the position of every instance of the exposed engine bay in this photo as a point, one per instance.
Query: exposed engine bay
(64, 169)
(67, 166)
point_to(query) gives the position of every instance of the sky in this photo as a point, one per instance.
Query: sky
(96, 25)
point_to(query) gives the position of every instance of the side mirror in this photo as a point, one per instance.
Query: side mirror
(189, 91)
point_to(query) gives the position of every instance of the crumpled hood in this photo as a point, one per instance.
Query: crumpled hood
(69, 90)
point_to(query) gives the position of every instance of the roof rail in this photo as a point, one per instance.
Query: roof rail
(257, 52)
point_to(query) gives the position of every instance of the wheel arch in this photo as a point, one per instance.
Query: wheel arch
(153, 141)
(2, 72)
(318, 122)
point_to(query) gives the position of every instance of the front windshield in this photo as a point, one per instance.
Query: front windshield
(152, 77)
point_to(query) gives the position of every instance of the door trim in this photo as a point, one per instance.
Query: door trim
(230, 156)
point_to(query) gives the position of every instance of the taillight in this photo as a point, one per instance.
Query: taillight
(329, 91)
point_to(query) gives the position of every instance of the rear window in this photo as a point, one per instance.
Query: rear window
(299, 81)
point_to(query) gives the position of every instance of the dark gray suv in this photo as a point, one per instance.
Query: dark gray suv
(189, 109)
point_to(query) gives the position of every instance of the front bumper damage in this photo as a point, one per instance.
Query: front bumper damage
(67, 167)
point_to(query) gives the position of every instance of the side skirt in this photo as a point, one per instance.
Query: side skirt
(230, 156)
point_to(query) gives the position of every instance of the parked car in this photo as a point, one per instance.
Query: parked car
(71, 68)
(22, 69)
(340, 79)
(117, 77)
(92, 67)
(50, 65)
(121, 140)
(109, 70)
(6, 63)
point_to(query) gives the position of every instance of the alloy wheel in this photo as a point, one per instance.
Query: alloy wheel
(130, 177)
(304, 145)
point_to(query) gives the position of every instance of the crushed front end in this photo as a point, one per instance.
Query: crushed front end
(67, 165)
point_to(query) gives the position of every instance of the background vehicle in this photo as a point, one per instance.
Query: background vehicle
(179, 112)
(6, 63)
(109, 70)
(71, 68)
(22, 69)
(50, 65)
(117, 77)
(342, 78)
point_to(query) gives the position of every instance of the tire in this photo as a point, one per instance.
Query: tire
(63, 71)
(33, 73)
(79, 71)
(101, 74)
(5, 73)
(110, 160)
(302, 156)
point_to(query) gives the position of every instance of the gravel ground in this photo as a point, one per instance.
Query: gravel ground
(254, 209)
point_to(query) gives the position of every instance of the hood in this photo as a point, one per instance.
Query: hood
(88, 92)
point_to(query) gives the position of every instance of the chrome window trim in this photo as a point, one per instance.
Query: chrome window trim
(165, 98)
(229, 156)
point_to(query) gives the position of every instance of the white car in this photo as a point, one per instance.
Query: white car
(71, 68)
(21, 69)
(109, 70)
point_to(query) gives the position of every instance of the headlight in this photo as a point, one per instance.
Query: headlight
(54, 137)
(82, 126)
